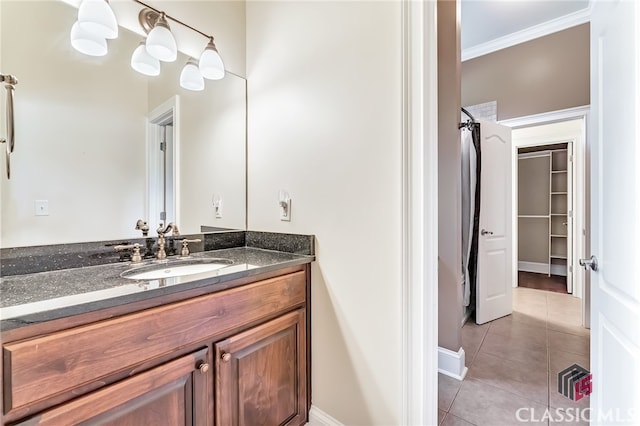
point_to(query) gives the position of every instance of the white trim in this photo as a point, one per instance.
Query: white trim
(317, 417)
(451, 363)
(168, 108)
(553, 26)
(547, 117)
(542, 268)
(419, 379)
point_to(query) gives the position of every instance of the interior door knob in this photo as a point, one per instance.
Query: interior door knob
(591, 262)
(485, 232)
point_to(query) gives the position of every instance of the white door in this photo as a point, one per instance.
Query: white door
(494, 286)
(615, 211)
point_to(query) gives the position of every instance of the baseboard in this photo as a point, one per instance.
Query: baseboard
(451, 363)
(542, 268)
(317, 417)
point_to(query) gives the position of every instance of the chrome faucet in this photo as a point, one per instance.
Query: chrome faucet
(162, 254)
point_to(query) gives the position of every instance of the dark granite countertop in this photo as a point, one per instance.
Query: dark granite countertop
(43, 296)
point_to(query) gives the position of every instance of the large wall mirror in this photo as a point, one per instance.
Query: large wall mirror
(83, 165)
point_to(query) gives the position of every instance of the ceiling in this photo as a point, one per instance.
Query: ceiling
(489, 25)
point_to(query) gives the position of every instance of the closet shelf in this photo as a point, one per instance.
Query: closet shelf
(558, 236)
(558, 171)
(559, 193)
(558, 256)
(533, 216)
(558, 214)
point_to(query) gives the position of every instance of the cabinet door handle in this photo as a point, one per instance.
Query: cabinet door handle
(226, 356)
(203, 367)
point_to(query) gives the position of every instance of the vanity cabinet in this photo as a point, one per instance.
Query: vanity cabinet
(175, 393)
(260, 374)
(238, 356)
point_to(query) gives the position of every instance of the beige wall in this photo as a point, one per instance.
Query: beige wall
(533, 186)
(449, 177)
(533, 199)
(325, 125)
(547, 74)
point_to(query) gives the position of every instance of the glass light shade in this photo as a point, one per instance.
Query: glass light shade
(96, 17)
(144, 63)
(211, 65)
(190, 77)
(160, 42)
(86, 42)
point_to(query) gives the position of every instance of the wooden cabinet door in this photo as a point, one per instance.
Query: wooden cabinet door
(261, 374)
(172, 394)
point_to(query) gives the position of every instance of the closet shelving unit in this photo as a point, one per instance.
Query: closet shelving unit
(554, 209)
(558, 211)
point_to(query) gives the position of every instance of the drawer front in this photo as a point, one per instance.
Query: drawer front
(42, 367)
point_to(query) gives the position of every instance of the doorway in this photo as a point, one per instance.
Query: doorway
(162, 151)
(545, 210)
(549, 216)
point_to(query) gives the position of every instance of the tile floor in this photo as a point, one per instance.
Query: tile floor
(514, 361)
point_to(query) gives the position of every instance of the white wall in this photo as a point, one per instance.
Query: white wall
(325, 124)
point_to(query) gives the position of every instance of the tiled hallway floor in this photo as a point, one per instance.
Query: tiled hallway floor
(514, 362)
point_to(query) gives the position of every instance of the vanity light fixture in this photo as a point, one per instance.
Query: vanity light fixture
(97, 23)
(210, 64)
(160, 42)
(97, 18)
(190, 77)
(86, 42)
(144, 63)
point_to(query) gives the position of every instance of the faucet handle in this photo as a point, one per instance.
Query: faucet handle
(136, 257)
(185, 246)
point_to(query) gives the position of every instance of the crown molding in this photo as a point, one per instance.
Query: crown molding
(562, 23)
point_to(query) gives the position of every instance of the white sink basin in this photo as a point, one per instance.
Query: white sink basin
(175, 269)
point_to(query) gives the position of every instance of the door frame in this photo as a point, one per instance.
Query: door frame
(168, 111)
(419, 276)
(581, 187)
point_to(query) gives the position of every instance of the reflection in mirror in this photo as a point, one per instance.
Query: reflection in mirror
(88, 135)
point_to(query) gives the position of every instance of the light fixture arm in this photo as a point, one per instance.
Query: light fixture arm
(149, 16)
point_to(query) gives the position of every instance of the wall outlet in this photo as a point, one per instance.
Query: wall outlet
(217, 206)
(285, 206)
(41, 207)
